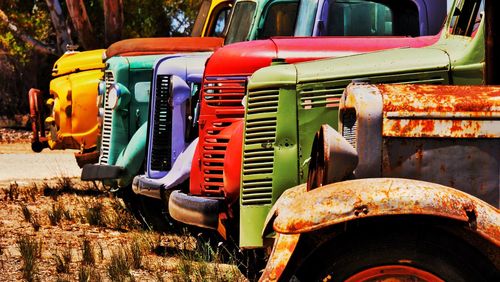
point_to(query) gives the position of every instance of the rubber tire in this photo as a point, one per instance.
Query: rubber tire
(421, 246)
(149, 212)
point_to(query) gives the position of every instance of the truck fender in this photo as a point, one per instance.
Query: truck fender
(132, 157)
(232, 161)
(299, 211)
(348, 200)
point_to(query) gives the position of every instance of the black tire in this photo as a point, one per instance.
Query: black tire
(150, 212)
(425, 248)
(37, 146)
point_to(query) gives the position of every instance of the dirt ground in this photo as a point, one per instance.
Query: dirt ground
(47, 214)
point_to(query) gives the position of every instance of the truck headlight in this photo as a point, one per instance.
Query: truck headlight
(101, 87)
(118, 96)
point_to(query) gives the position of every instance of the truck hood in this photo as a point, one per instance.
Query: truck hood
(401, 60)
(78, 61)
(241, 59)
(166, 45)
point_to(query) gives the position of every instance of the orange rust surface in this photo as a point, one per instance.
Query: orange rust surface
(439, 98)
(282, 251)
(440, 111)
(164, 45)
(344, 201)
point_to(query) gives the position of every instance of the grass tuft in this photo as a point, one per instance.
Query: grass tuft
(95, 214)
(26, 212)
(30, 251)
(32, 192)
(87, 273)
(88, 253)
(63, 260)
(56, 214)
(119, 267)
(12, 193)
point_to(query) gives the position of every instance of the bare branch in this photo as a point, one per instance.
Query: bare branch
(38, 46)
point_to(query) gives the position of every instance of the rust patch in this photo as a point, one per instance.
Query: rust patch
(440, 111)
(282, 251)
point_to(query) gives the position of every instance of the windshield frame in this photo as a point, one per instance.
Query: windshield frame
(230, 26)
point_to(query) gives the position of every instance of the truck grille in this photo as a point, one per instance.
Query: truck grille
(258, 149)
(329, 97)
(107, 121)
(328, 93)
(161, 125)
(349, 126)
(223, 99)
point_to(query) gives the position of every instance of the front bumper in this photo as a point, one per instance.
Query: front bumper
(101, 172)
(143, 185)
(195, 210)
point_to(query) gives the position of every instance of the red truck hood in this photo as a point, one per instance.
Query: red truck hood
(242, 59)
(163, 45)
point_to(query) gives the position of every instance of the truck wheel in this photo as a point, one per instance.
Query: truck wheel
(397, 253)
(37, 146)
(150, 212)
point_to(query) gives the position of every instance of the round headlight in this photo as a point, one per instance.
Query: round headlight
(101, 87)
(113, 96)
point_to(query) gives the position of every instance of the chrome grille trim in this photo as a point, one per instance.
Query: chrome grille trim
(107, 120)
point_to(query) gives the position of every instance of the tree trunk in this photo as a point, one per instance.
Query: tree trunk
(63, 32)
(38, 46)
(81, 22)
(113, 21)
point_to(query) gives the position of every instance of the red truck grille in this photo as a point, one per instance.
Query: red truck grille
(222, 98)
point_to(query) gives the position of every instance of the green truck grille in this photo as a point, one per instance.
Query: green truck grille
(311, 98)
(258, 151)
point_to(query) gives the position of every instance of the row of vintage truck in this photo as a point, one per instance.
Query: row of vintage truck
(343, 140)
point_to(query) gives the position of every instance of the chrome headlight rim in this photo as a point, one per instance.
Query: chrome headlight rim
(114, 96)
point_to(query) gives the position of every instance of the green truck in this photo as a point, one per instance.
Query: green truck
(301, 97)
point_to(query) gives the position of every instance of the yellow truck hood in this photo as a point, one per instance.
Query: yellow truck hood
(78, 61)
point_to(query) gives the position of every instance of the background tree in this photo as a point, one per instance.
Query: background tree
(34, 33)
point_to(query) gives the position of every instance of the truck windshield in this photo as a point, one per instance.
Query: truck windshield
(200, 19)
(369, 18)
(241, 21)
(279, 20)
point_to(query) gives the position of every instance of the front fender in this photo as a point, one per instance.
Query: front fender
(298, 211)
(344, 201)
(132, 157)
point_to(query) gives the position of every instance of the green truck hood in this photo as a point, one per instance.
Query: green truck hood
(383, 62)
(78, 61)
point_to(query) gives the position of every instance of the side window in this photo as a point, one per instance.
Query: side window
(369, 18)
(466, 17)
(219, 25)
(280, 20)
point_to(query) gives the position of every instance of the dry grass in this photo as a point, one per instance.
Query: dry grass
(112, 248)
(31, 251)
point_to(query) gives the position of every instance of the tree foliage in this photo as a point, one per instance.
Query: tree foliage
(31, 30)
